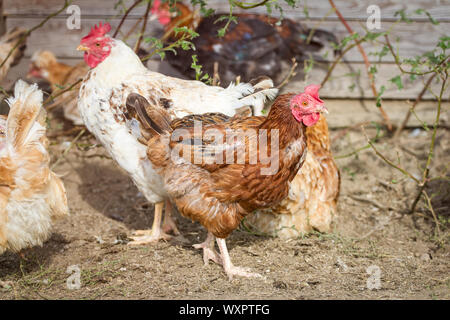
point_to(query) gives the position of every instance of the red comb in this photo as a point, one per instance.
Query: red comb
(99, 31)
(313, 91)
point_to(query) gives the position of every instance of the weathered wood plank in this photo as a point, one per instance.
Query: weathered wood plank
(350, 80)
(343, 112)
(413, 39)
(351, 9)
(343, 84)
(346, 113)
(56, 37)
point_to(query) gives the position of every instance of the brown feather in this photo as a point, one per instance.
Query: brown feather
(220, 195)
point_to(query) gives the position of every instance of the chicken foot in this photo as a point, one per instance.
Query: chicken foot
(156, 233)
(228, 266)
(208, 250)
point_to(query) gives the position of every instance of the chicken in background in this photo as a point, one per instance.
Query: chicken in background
(31, 195)
(116, 72)
(7, 42)
(209, 188)
(313, 193)
(44, 65)
(252, 47)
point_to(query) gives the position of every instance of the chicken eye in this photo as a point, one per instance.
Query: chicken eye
(305, 103)
(97, 44)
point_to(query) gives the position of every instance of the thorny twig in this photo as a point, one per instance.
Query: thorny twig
(60, 92)
(336, 61)
(68, 148)
(366, 62)
(144, 25)
(426, 171)
(125, 15)
(389, 162)
(290, 74)
(416, 102)
(399, 64)
(249, 5)
(430, 206)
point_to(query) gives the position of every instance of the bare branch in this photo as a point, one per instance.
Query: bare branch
(125, 16)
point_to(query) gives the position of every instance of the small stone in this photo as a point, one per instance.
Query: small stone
(425, 257)
(99, 239)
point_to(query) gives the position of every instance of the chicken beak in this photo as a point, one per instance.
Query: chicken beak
(82, 48)
(322, 109)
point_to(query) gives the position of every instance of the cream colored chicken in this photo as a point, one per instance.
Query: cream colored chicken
(312, 198)
(31, 195)
(7, 42)
(60, 75)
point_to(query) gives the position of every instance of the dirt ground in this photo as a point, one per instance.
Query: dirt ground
(371, 235)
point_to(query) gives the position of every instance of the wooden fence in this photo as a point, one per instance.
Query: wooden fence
(349, 79)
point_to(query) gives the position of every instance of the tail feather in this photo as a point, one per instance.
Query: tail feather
(260, 96)
(151, 118)
(25, 111)
(255, 93)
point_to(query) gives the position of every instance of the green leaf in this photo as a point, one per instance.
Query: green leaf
(221, 32)
(373, 35)
(378, 102)
(432, 20)
(397, 81)
(403, 16)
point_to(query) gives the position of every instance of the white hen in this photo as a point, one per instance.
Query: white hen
(116, 72)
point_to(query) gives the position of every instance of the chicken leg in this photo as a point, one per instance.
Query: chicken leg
(155, 233)
(228, 266)
(168, 222)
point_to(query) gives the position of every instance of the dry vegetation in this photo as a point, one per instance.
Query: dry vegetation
(393, 213)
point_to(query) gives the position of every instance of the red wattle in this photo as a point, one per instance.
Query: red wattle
(310, 119)
(91, 60)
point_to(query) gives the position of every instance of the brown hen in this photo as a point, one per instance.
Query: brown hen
(222, 171)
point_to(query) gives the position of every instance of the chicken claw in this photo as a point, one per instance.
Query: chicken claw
(143, 237)
(228, 266)
(241, 272)
(208, 250)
